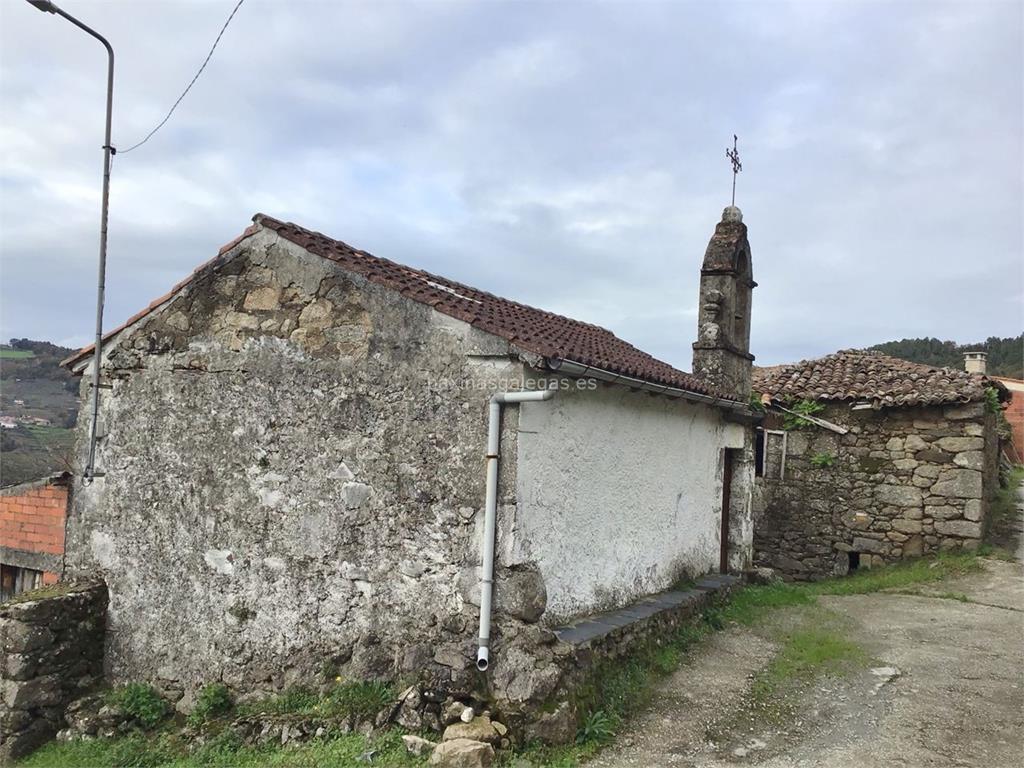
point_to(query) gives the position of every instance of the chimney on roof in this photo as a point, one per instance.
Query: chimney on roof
(721, 353)
(975, 362)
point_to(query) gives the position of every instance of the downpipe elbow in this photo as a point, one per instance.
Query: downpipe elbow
(483, 658)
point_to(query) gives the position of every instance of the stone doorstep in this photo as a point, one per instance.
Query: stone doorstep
(602, 624)
(714, 582)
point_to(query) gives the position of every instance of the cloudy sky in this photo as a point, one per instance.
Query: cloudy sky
(569, 155)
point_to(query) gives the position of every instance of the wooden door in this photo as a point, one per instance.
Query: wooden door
(723, 564)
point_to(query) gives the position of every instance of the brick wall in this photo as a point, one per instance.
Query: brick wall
(1015, 416)
(32, 519)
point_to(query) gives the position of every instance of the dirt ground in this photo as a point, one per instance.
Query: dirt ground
(943, 686)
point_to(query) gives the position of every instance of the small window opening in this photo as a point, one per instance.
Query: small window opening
(773, 454)
(759, 453)
(854, 562)
(15, 580)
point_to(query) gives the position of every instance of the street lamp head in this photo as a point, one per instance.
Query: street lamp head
(44, 5)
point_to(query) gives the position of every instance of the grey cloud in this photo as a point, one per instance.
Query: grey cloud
(568, 155)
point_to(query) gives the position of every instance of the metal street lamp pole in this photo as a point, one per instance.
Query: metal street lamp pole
(108, 152)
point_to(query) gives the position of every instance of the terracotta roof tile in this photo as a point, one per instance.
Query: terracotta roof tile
(546, 334)
(533, 330)
(867, 375)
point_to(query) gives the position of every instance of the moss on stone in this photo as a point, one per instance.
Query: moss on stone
(49, 592)
(871, 465)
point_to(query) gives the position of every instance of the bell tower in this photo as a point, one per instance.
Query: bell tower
(721, 353)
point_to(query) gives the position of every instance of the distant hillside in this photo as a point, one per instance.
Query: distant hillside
(38, 408)
(1005, 356)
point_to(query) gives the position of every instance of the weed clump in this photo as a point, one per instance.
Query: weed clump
(141, 702)
(213, 701)
(362, 699)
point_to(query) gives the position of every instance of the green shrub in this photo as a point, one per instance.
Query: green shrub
(141, 702)
(598, 727)
(755, 403)
(213, 700)
(992, 404)
(822, 460)
(801, 408)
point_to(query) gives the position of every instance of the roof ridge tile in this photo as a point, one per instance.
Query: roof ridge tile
(533, 330)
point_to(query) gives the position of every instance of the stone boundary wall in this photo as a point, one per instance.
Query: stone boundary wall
(903, 482)
(584, 648)
(51, 652)
(538, 674)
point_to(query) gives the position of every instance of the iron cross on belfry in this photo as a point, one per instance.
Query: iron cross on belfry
(734, 155)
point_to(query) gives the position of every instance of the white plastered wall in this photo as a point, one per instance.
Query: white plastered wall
(618, 495)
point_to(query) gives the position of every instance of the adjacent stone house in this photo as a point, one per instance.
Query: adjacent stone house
(891, 460)
(294, 445)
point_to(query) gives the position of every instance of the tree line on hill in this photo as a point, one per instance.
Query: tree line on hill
(44, 363)
(42, 399)
(1005, 355)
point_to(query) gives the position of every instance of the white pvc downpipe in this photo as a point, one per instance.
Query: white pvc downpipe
(491, 511)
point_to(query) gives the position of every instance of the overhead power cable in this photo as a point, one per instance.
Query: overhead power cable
(189, 86)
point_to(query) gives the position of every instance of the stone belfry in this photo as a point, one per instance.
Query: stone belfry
(721, 353)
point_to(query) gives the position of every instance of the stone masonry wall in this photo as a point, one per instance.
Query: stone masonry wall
(902, 483)
(51, 652)
(293, 491)
(293, 473)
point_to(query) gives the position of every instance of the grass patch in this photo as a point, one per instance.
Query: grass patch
(163, 747)
(750, 605)
(361, 699)
(892, 577)
(167, 751)
(568, 756)
(996, 553)
(131, 751)
(293, 700)
(806, 652)
(51, 434)
(16, 354)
